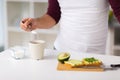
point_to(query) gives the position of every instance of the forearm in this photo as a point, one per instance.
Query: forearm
(48, 20)
(45, 22)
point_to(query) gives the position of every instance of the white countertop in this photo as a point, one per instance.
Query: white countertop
(29, 69)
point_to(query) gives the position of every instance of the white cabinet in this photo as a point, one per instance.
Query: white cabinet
(18, 9)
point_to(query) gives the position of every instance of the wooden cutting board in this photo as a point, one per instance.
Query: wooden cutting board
(62, 67)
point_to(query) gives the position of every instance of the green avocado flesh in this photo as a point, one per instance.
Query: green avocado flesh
(74, 62)
(64, 56)
(92, 59)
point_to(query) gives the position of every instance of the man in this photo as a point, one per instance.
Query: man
(83, 23)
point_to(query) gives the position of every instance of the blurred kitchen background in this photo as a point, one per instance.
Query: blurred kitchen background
(12, 11)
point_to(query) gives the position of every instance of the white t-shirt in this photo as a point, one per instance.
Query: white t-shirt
(83, 26)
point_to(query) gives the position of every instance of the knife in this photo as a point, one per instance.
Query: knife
(104, 67)
(111, 67)
(115, 65)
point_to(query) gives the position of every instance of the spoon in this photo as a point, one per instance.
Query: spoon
(34, 33)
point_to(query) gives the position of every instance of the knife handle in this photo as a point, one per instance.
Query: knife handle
(115, 65)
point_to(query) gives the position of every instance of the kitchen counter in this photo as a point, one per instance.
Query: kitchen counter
(29, 69)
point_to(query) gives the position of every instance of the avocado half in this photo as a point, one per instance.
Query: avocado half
(64, 56)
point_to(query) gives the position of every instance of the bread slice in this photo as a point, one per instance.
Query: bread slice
(85, 62)
(91, 62)
(74, 63)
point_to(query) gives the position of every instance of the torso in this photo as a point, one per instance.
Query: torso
(83, 26)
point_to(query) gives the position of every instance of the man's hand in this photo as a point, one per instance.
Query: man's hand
(28, 24)
(44, 22)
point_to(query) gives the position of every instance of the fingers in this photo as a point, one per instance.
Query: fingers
(24, 20)
(26, 24)
(22, 26)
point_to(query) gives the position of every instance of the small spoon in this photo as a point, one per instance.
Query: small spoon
(34, 33)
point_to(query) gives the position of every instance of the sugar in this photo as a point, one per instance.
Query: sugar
(18, 54)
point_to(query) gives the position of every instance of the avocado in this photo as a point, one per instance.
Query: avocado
(74, 63)
(63, 56)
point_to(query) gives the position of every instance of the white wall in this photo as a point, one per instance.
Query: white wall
(2, 25)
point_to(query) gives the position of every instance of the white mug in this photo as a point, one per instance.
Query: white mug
(36, 49)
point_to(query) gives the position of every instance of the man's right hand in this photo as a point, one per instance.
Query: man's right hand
(28, 24)
(44, 22)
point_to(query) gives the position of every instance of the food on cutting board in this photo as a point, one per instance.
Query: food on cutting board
(89, 61)
(63, 56)
(73, 63)
(84, 62)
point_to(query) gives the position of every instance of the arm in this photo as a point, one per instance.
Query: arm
(46, 21)
(52, 16)
(54, 10)
(115, 4)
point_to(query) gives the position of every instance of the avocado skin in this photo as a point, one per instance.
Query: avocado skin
(63, 56)
(62, 60)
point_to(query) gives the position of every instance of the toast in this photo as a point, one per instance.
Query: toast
(74, 63)
(91, 62)
(88, 62)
